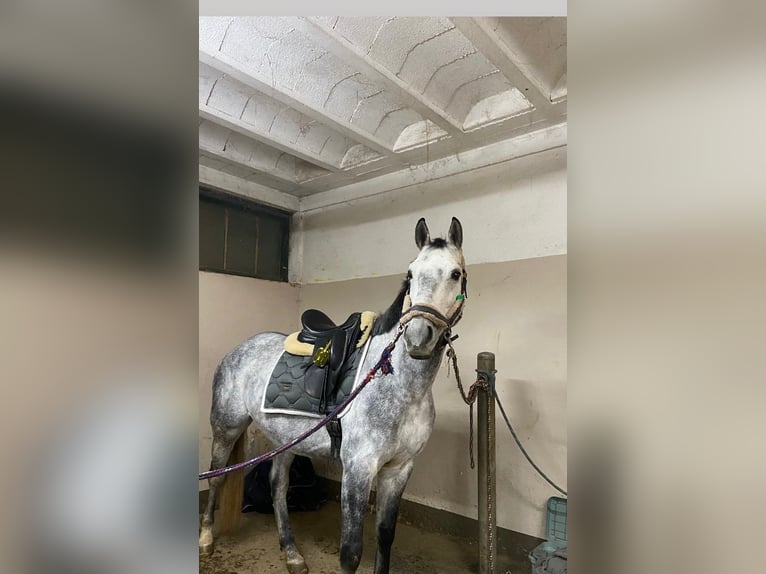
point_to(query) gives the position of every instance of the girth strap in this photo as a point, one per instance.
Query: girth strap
(336, 437)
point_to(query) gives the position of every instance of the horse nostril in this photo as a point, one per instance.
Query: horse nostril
(430, 332)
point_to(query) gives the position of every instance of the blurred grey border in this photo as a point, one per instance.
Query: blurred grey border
(98, 228)
(666, 205)
(666, 280)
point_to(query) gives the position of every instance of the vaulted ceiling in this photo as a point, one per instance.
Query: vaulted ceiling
(302, 105)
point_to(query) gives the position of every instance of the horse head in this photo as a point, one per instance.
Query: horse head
(436, 290)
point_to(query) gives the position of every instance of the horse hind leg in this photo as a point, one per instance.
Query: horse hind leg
(224, 441)
(280, 480)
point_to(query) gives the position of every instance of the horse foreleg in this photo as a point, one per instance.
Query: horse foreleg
(391, 483)
(280, 481)
(355, 494)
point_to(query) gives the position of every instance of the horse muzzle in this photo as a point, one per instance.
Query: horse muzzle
(421, 337)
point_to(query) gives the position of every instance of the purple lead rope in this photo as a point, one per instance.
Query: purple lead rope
(383, 365)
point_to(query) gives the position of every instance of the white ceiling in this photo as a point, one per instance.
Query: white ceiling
(296, 105)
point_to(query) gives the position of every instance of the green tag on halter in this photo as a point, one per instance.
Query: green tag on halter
(460, 297)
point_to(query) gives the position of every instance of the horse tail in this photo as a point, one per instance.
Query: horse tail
(230, 500)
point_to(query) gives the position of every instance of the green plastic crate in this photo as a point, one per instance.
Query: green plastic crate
(555, 530)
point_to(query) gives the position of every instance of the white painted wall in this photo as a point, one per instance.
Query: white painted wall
(511, 211)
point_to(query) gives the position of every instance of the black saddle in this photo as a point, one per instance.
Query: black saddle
(333, 346)
(315, 324)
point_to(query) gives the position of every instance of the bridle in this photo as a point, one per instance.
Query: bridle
(445, 320)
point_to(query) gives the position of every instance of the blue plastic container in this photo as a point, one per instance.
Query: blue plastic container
(555, 530)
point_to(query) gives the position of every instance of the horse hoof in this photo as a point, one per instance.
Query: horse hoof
(207, 549)
(206, 542)
(297, 567)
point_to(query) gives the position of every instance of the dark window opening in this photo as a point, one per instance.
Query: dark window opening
(240, 237)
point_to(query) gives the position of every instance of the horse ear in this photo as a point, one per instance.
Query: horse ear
(422, 237)
(456, 233)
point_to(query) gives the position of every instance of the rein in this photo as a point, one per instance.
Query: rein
(383, 365)
(409, 312)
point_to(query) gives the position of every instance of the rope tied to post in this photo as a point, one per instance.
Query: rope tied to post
(485, 381)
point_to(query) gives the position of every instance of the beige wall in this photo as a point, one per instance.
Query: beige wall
(231, 309)
(516, 310)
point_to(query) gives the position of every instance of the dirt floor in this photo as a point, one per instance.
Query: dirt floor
(254, 548)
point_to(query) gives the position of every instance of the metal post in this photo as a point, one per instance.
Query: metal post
(486, 465)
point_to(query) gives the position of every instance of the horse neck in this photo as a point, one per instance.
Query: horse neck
(414, 376)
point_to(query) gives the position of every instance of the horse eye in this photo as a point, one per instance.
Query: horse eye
(456, 275)
(409, 274)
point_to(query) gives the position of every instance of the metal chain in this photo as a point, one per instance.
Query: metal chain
(490, 518)
(523, 450)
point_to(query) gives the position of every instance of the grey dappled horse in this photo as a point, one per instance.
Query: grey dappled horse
(386, 426)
